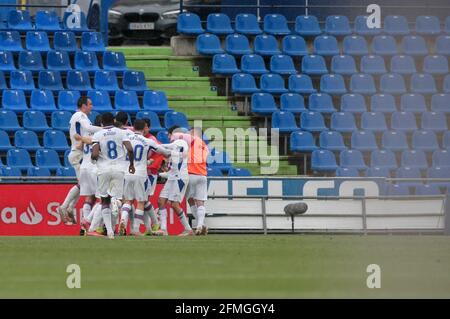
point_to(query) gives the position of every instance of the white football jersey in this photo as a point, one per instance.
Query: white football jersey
(141, 147)
(179, 151)
(112, 151)
(86, 163)
(80, 124)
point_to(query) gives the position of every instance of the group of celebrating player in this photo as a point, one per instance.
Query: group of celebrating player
(120, 165)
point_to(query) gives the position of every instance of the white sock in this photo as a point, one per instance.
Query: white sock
(148, 209)
(74, 201)
(106, 213)
(163, 218)
(147, 223)
(91, 215)
(194, 210)
(71, 196)
(201, 212)
(97, 219)
(87, 207)
(138, 219)
(125, 214)
(184, 221)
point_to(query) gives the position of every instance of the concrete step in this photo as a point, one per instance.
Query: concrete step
(195, 111)
(142, 50)
(173, 71)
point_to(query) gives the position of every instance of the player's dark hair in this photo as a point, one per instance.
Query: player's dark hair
(82, 100)
(173, 128)
(147, 121)
(139, 125)
(122, 118)
(98, 120)
(107, 119)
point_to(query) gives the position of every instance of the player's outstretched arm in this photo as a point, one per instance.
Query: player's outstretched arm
(84, 139)
(129, 149)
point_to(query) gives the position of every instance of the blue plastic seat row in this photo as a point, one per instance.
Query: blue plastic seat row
(44, 20)
(37, 172)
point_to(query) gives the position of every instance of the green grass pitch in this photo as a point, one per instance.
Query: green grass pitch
(226, 266)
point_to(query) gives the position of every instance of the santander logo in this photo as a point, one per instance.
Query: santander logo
(31, 216)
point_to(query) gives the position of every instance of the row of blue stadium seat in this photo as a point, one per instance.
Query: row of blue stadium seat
(43, 100)
(60, 61)
(7, 171)
(294, 45)
(52, 139)
(306, 25)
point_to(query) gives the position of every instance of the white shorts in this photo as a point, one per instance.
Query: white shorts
(110, 184)
(197, 188)
(151, 184)
(88, 181)
(135, 188)
(174, 190)
(75, 157)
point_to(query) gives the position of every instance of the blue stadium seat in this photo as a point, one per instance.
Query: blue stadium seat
(208, 44)
(427, 190)
(66, 159)
(355, 45)
(424, 140)
(37, 41)
(266, 44)
(443, 45)
(332, 141)
(8, 121)
(69, 24)
(100, 101)
(163, 137)
(325, 45)
(446, 87)
(156, 101)
(65, 41)
(284, 122)
(253, 64)
(263, 103)
(307, 25)
(353, 103)
(321, 102)
(440, 103)
(396, 25)
(411, 173)
(343, 122)
(55, 140)
(292, 102)
(214, 172)
(414, 45)
(439, 172)
(38, 172)
(314, 65)
(447, 25)
(301, 84)
(441, 158)
(155, 124)
(392, 83)
(276, 24)
(60, 120)
(175, 118)
(343, 64)
(92, 42)
(10, 171)
(347, 172)
(362, 84)
(428, 25)
(403, 64)
(323, 160)
(434, 121)
(352, 159)
(5, 143)
(219, 159)
(337, 25)
(3, 85)
(247, 23)
(224, 64)
(134, 81)
(414, 158)
(10, 41)
(7, 61)
(332, 84)
(67, 100)
(435, 64)
(127, 101)
(394, 141)
(42, 100)
(312, 122)
(50, 80)
(397, 190)
(282, 64)
(78, 81)
(446, 140)
(243, 83)
(237, 44)
(58, 61)
(19, 20)
(384, 45)
(35, 121)
(106, 81)
(86, 61)
(378, 172)
(27, 140)
(301, 141)
(14, 100)
(403, 121)
(47, 158)
(373, 121)
(66, 172)
(413, 103)
(383, 158)
(384, 103)
(189, 23)
(241, 172)
(272, 83)
(18, 158)
(22, 80)
(114, 61)
(218, 23)
(372, 64)
(47, 21)
(294, 45)
(423, 83)
(363, 141)
(361, 27)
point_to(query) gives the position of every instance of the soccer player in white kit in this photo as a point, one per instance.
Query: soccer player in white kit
(81, 125)
(108, 151)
